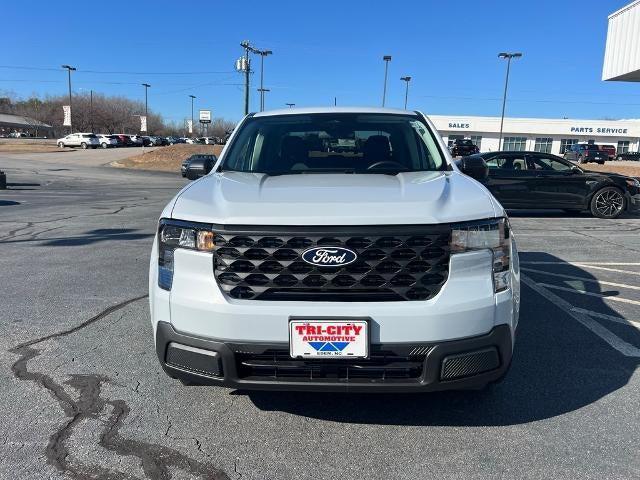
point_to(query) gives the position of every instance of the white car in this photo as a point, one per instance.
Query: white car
(335, 249)
(137, 140)
(107, 141)
(83, 140)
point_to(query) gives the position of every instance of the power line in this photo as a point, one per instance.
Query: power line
(122, 72)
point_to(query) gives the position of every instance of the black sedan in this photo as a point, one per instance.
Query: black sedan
(633, 156)
(535, 180)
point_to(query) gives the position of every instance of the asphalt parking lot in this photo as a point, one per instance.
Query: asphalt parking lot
(84, 396)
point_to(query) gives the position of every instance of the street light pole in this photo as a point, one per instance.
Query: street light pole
(406, 92)
(91, 109)
(387, 59)
(192, 97)
(69, 69)
(262, 53)
(262, 92)
(290, 105)
(146, 105)
(508, 56)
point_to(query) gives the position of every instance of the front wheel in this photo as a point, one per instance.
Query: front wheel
(61, 144)
(104, 145)
(619, 158)
(607, 202)
(601, 162)
(83, 145)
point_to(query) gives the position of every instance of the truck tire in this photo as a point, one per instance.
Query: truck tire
(608, 202)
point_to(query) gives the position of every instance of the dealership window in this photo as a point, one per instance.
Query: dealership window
(514, 143)
(543, 145)
(623, 146)
(476, 140)
(565, 144)
(452, 138)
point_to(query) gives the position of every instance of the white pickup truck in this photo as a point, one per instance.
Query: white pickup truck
(335, 249)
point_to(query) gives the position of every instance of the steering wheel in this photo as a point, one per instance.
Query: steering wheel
(386, 162)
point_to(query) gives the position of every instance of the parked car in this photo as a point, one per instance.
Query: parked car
(608, 150)
(207, 162)
(634, 156)
(137, 140)
(171, 140)
(82, 140)
(535, 180)
(463, 147)
(125, 140)
(335, 272)
(164, 141)
(147, 141)
(189, 140)
(107, 141)
(585, 153)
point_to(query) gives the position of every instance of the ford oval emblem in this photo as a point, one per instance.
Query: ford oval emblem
(329, 256)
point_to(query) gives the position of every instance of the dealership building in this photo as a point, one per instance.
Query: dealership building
(548, 135)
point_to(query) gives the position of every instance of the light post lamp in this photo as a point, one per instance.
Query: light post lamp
(262, 53)
(508, 57)
(406, 79)
(146, 106)
(69, 69)
(290, 105)
(387, 59)
(192, 97)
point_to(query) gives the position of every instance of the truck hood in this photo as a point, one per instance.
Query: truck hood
(238, 198)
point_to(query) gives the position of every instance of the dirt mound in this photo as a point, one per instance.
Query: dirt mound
(166, 159)
(631, 169)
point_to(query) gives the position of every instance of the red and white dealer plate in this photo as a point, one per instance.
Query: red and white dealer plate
(328, 338)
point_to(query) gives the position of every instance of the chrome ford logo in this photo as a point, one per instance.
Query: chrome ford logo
(329, 256)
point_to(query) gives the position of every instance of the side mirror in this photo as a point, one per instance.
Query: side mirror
(475, 167)
(199, 167)
(576, 170)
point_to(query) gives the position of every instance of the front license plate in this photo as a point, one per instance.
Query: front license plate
(329, 338)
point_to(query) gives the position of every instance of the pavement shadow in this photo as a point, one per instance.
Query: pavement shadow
(558, 366)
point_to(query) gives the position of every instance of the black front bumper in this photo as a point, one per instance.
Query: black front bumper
(469, 363)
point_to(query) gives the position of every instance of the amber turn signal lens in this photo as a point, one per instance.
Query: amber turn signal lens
(206, 241)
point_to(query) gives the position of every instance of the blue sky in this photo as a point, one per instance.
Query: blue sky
(321, 50)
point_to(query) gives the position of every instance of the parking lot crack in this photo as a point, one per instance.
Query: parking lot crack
(157, 461)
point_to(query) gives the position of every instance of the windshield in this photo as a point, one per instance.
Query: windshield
(334, 142)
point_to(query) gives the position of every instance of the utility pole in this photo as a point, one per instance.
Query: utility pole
(245, 66)
(406, 92)
(69, 69)
(146, 105)
(508, 57)
(387, 59)
(91, 109)
(262, 53)
(290, 105)
(192, 97)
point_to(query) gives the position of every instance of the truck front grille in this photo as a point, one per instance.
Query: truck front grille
(408, 262)
(380, 366)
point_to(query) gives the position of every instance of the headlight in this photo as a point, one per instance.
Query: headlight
(632, 182)
(490, 235)
(176, 234)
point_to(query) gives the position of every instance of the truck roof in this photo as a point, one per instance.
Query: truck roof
(309, 110)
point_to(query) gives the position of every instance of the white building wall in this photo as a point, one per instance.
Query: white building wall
(607, 132)
(622, 51)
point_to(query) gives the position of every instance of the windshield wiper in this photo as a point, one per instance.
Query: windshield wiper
(300, 172)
